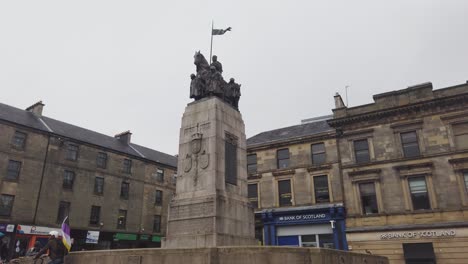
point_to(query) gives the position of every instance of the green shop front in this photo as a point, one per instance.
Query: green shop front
(99, 240)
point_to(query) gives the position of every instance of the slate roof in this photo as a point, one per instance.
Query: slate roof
(28, 119)
(289, 133)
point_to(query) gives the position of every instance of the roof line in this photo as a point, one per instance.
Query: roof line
(139, 153)
(45, 124)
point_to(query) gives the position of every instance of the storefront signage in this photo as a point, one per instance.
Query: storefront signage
(302, 217)
(122, 236)
(35, 230)
(156, 239)
(7, 228)
(92, 237)
(144, 237)
(418, 234)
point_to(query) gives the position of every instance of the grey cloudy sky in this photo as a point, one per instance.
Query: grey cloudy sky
(114, 65)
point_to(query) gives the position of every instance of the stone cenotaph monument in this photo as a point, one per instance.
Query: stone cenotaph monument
(210, 206)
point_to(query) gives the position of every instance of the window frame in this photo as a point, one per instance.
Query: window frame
(318, 153)
(158, 202)
(96, 192)
(65, 186)
(72, 154)
(253, 200)
(15, 137)
(125, 192)
(160, 175)
(96, 212)
(16, 172)
(127, 166)
(355, 151)
(65, 213)
(314, 178)
(406, 145)
(157, 223)
(373, 195)
(455, 135)
(280, 160)
(465, 180)
(101, 160)
(251, 166)
(122, 214)
(427, 193)
(8, 207)
(280, 199)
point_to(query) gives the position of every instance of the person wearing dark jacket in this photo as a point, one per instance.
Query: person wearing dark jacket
(34, 250)
(57, 249)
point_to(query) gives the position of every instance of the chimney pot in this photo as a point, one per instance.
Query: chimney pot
(36, 108)
(124, 137)
(338, 101)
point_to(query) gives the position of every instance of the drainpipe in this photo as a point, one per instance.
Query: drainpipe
(342, 228)
(42, 180)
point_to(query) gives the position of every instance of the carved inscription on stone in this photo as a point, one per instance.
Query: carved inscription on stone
(192, 210)
(189, 226)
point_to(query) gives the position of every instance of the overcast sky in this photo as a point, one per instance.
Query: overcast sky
(112, 66)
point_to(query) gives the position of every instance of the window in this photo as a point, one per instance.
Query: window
(101, 160)
(95, 215)
(361, 151)
(283, 158)
(160, 175)
(72, 152)
(98, 185)
(122, 219)
(63, 211)
(368, 198)
(318, 153)
(419, 195)
(230, 159)
(68, 179)
(157, 224)
(322, 194)
(6, 204)
(124, 190)
(13, 171)
(19, 140)
(127, 166)
(158, 198)
(465, 177)
(252, 163)
(409, 143)
(284, 193)
(253, 194)
(460, 132)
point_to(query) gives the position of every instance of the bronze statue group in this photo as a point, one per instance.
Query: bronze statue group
(209, 82)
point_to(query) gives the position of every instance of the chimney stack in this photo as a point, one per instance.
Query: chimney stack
(36, 108)
(338, 101)
(124, 137)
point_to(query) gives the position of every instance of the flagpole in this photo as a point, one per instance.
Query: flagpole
(211, 46)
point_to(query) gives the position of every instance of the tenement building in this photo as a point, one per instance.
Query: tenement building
(404, 161)
(295, 186)
(115, 192)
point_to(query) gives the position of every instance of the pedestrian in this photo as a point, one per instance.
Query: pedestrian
(57, 249)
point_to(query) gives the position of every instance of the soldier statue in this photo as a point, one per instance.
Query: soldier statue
(217, 64)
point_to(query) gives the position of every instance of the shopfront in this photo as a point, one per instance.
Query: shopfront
(27, 235)
(414, 246)
(305, 227)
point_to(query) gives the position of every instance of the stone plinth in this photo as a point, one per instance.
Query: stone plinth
(210, 207)
(224, 255)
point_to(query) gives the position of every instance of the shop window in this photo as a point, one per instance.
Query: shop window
(318, 154)
(19, 140)
(158, 198)
(157, 224)
(409, 143)
(68, 179)
(252, 163)
(122, 219)
(460, 133)
(127, 166)
(101, 160)
(253, 195)
(326, 241)
(465, 178)
(361, 151)
(322, 194)
(418, 253)
(72, 152)
(282, 156)
(99, 185)
(230, 159)
(124, 190)
(309, 241)
(321, 240)
(160, 175)
(368, 198)
(419, 194)
(6, 204)
(63, 211)
(284, 193)
(13, 170)
(95, 215)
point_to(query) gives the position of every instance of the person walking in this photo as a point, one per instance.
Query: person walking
(57, 250)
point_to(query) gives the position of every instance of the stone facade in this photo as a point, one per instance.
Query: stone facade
(45, 158)
(211, 209)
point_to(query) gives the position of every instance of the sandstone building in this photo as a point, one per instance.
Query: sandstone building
(399, 166)
(51, 169)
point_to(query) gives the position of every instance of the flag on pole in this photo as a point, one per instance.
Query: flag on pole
(66, 233)
(220, 31)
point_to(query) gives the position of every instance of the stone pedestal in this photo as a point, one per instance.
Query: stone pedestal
(210, 207)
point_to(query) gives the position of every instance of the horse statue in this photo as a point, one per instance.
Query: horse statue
(201, 63)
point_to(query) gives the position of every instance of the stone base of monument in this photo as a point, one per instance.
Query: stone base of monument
(224, 255)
